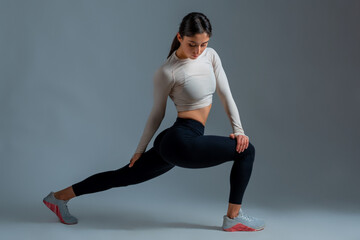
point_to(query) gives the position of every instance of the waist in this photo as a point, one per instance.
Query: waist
(199, 114)
(190, 123)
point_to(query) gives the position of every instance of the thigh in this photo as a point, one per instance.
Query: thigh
(148, 166)
(209, 150)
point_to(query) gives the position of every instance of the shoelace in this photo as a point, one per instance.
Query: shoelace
(247, 217)
(66, 207)
(64, 203)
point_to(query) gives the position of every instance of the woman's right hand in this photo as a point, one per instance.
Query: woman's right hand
(135, 157)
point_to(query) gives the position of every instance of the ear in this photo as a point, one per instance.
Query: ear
(179, 37)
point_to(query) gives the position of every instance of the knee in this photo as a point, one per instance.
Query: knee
(248, 155)
(251, 149)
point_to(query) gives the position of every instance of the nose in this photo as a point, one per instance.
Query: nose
(197, 51)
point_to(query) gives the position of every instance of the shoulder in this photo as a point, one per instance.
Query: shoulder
(211, 51)
(213, 55)
(163, 74)
(164, 70)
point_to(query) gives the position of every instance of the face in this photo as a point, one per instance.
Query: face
(192, 47)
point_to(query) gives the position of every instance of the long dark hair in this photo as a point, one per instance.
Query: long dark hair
(191, 24)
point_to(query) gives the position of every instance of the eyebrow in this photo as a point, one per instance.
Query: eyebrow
(196, 42)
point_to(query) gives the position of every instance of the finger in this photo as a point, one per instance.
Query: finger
(238, 143)
(241, 144)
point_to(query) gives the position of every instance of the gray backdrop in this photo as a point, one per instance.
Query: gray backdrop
(76, 90)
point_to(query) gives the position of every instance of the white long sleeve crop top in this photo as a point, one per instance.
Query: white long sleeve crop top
(190, 83)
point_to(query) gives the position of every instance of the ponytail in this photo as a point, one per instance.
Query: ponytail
(174, 46)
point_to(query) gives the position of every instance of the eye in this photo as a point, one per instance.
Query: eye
(204, 45)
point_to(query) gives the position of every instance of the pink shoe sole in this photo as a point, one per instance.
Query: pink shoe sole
(55, 209)
(241, 227)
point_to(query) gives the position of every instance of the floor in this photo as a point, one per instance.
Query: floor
(104, 218)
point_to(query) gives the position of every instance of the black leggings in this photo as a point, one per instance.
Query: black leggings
(185, 145)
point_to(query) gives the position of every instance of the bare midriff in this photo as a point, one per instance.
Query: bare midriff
(200, 114)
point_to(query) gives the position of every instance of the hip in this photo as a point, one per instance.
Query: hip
(178, 138)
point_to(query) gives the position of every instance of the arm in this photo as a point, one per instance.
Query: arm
(224, 93)
(163, 83)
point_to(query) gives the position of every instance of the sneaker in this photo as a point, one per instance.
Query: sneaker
(60, 208)
(242, 223)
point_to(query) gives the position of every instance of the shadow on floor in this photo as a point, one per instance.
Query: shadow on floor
(106, 219)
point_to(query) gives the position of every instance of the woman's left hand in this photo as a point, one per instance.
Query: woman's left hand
(242, 142)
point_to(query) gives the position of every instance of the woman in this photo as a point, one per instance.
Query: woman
(190, 76)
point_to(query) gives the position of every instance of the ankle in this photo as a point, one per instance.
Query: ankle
(60, 196)
(233, 210)
(232, 215)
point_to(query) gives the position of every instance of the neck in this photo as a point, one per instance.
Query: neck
(178, 53)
